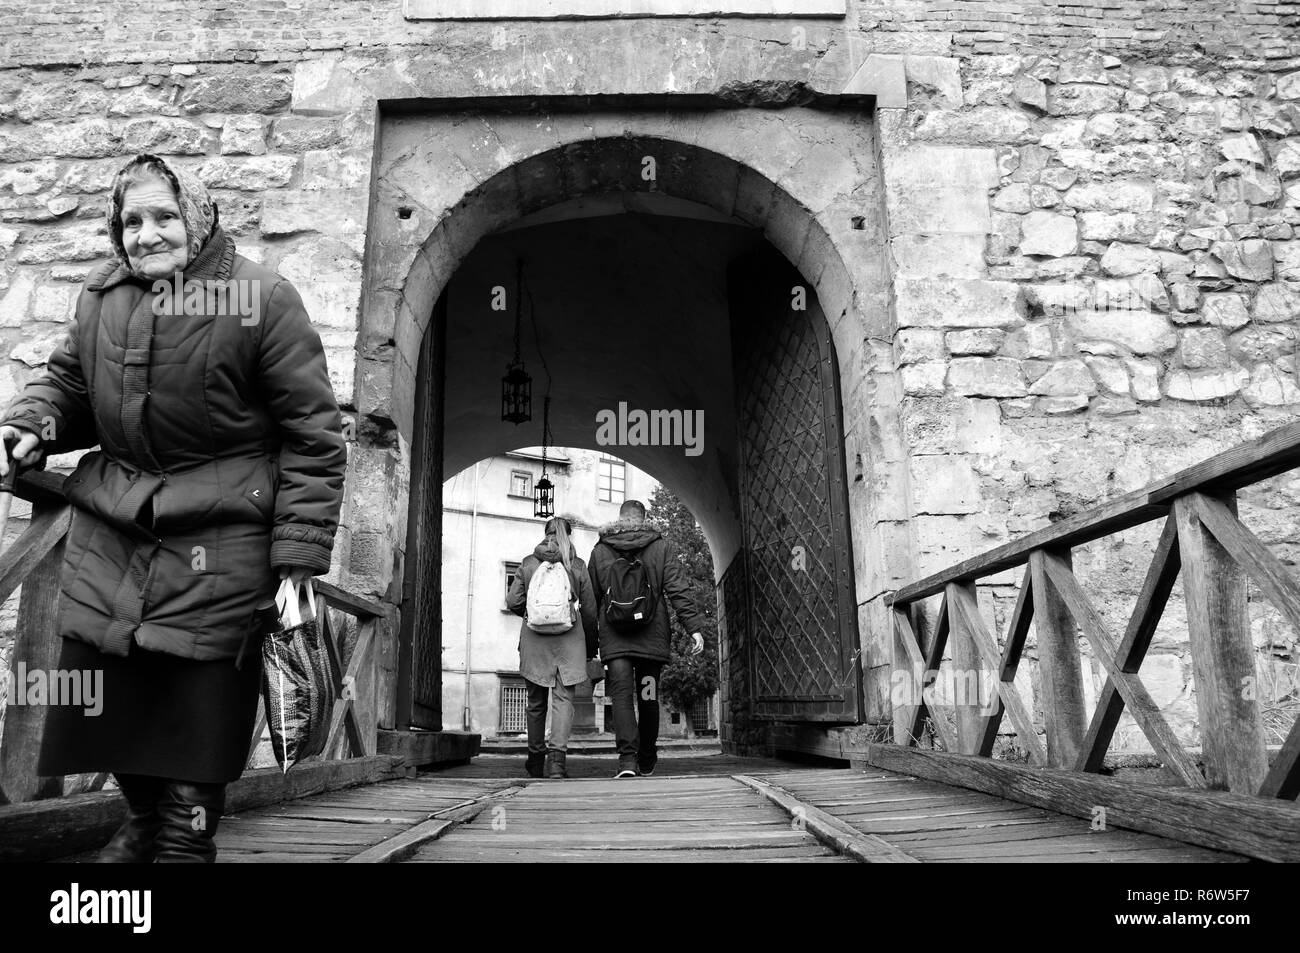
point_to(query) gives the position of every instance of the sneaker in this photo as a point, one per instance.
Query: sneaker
(626, 769)
(646, 771)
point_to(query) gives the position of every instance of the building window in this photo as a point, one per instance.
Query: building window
(611, 480)
(521, 483)
(514, 705)
(699, 712)
(512, 570)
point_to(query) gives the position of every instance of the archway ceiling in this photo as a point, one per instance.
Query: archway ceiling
(630, 308)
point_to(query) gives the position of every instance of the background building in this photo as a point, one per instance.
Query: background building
(488, 528)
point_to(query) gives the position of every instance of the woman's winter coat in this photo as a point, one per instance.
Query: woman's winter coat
(545, 658)
(221, 455)
(667, 580)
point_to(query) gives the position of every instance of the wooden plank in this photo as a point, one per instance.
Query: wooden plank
(1018, 629)
(828, 829)
(57, 827)
(909, 710)
(47, 527)
(1275, 452)
(1150, 606)
(1256, 827)
(1139, 701)
(1251, 555)
(444, 852)
(967, 674)
(1123, 512)
(258, 728)
(1058, 662)
(421, 748)
(1017, 635)
(343, 715)
(966, 608)
(37, 644)
(352, 604)
(41, 486)
(400, 847)
(933, 660)
(1214, 590)
(1283, 780)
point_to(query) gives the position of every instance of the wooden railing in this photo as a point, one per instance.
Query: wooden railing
(1203, 540)
(34, 561)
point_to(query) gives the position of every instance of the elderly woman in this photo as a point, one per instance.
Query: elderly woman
(219, 470)
(553, 663)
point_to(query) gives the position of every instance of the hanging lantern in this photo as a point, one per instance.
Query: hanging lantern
(544, 498)
(544, 491)
(516, 394)
(517, 385)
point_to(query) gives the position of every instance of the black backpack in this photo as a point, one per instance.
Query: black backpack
(629, 600)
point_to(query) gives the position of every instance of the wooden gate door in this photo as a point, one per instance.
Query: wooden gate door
(419, 670)
(798, 568)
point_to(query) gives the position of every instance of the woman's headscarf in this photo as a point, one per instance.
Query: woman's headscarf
(198, 210)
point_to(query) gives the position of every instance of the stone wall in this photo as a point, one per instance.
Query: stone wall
(1090, 209)
(1125, 306)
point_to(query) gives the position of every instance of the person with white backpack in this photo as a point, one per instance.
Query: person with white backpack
(552, 592)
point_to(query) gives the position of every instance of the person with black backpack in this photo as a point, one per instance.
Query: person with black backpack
(552, 592)
(635, 577)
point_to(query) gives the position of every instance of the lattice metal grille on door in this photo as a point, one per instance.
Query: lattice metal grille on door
(802, 625)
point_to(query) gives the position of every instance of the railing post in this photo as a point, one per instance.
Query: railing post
(907, 677)
(36, 643)
(1059, 667)
(1223, 657)
(966, 668)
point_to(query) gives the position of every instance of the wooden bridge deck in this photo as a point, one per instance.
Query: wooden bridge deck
(697, 808)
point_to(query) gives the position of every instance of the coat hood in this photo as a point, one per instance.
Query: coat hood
(198, 210)
(629, 535)
(548, 550)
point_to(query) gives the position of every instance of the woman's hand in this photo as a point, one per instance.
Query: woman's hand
(299, 574)
(24, 443)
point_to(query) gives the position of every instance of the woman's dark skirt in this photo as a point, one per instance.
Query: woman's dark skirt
(161, 715)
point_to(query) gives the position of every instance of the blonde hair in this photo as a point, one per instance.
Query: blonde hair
(560, 528)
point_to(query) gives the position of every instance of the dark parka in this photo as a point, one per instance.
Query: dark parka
(220, 457)
(666, 578)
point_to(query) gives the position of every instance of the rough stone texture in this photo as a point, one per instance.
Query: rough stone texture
(1142, 332)
(1205, 385)
(1083, 206)
(1202, 347)
(1046, 233)
(986, 377)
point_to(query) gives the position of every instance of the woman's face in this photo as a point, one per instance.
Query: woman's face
(153, 232)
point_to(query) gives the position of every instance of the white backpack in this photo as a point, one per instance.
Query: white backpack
(550, 600)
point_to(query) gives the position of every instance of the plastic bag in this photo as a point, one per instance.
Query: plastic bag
(297, 678)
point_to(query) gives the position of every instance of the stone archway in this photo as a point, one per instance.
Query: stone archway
(803, 180)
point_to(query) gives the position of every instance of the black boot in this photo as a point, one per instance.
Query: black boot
(555, 768)
(134, 841)
(190, 813)
(534, 762)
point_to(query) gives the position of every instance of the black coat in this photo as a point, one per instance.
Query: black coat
(667, 580)
(220, 457)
